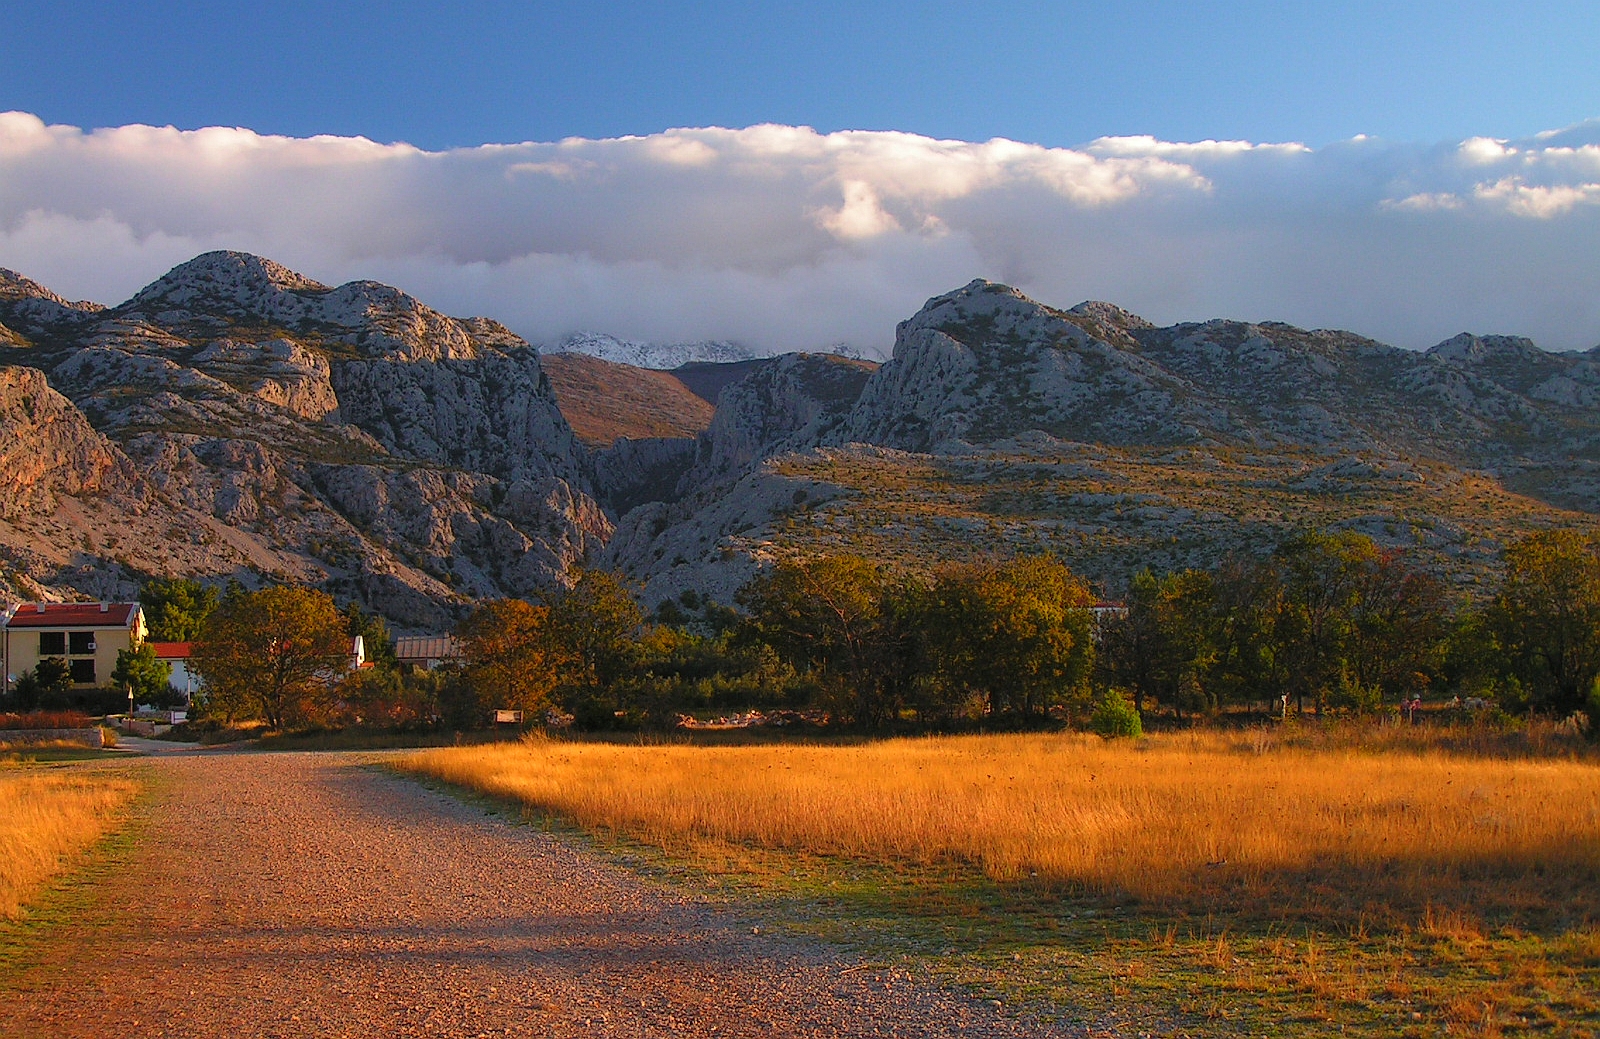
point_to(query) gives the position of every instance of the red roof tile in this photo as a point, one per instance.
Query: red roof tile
(172, 650)
(72, 615)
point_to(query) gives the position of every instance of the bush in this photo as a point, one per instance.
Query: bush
(1114, 716)
(1351, 695)
(45, 720)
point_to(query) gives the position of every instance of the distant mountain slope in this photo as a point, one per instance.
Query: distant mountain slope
(707, 379)
(1003, 425)
(603, 401)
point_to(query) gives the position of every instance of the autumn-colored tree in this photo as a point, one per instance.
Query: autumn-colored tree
(511, 658)
(271, 654)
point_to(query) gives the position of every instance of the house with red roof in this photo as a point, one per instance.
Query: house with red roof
(176, 656)
(86, 635)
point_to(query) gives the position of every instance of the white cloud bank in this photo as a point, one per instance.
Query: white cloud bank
(790, 239)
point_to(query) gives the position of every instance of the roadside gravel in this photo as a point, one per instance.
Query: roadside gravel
(291, 895)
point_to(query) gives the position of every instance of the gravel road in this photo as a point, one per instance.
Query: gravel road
(292, 895)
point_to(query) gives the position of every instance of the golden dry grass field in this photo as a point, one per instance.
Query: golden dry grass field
(1299, 883)
(1183, 819)
(47, 817)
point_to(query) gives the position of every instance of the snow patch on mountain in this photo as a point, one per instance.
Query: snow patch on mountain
(661, 356)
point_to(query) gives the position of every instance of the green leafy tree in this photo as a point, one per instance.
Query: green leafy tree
(1248, 665)
(1399, 629)
(46, 684)
(176, 610)
(271, 654)
(1165, 646)
(827, 616)
(511, 659)
(1544, 621)
(1322, 577)
(1018, 634)
(596, 625)
(148, 677)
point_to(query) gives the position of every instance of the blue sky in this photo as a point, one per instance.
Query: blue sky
(805, 175)
(444, 75)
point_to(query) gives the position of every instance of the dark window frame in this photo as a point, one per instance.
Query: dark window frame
(80, 643)
(82, 670)
(52, 644)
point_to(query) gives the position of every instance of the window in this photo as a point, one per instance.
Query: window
(83, 672)
(82, 642)
(52, 643)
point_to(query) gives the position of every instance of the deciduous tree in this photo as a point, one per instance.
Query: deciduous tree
(1018, 633)
(270, 654)
(511, 658)
(595, 624)
(829, 616)
(1545, 620)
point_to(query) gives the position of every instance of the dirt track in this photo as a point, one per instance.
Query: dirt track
(306, 895)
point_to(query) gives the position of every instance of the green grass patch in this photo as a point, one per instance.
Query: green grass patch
(77, 897)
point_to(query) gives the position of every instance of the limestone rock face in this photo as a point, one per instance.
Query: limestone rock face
(493, 414)
(48, 450)
(218, 291)
(633, 472)
(30, 309)
(279, 371)
(792, 401)
(236, 419)
(349, 437)
(985, 362)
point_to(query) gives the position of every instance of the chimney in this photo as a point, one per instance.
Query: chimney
(105, 607)
(39, 607)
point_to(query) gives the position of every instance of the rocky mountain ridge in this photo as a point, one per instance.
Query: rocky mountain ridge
(355, 437)
(1057, 413)
(235, 418)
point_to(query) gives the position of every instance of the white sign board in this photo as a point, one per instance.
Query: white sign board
(510, 717)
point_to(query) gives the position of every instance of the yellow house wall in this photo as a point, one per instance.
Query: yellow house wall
(22, 648)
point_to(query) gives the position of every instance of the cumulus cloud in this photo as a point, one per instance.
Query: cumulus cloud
(790, 239)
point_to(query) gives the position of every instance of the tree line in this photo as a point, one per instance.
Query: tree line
(1327, 622)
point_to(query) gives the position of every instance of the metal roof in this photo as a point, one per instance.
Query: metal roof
(426, 647)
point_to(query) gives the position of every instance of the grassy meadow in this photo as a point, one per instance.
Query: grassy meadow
(47, 816)
(1219, 881)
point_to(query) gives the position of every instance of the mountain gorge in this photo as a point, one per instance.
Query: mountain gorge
(235, 419)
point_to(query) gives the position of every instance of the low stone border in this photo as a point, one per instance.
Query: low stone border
(92, 737)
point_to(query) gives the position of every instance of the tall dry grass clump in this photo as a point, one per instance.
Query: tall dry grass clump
(47, 818)
(1186, 817)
